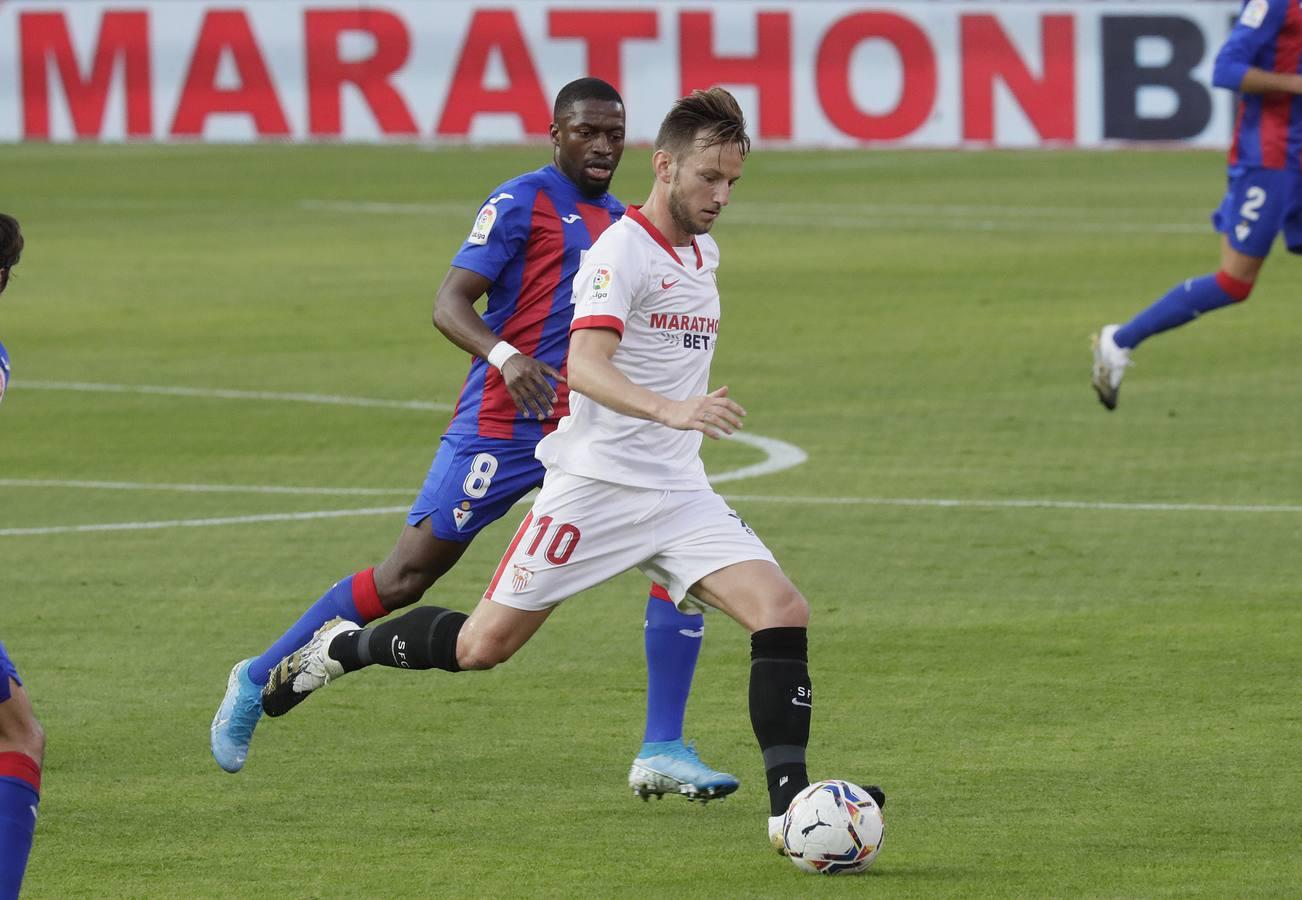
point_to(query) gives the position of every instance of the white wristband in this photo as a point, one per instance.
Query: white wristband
(501, 352)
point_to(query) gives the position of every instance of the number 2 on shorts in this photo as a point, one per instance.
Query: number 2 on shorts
(1256, 199)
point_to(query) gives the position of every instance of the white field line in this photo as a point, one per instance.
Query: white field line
(381, 208)
(202, 488)
(933, 503)
(778, 456)
(1023, 504)
(753, 218)
(203, 523)
(866, 216)
(224, 394)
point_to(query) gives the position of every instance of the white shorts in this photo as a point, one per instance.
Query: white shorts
(582, 532)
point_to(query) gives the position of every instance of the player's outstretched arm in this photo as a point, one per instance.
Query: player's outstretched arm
(455, 316)
(594, 375)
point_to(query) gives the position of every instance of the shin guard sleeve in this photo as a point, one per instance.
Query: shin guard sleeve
(781, 704)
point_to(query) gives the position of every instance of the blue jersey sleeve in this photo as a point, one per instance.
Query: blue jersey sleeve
(1258, 25)
(500, 232)
(4, 371)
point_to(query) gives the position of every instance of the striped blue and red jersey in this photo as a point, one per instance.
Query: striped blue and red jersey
(529, 238)
(1267, 127)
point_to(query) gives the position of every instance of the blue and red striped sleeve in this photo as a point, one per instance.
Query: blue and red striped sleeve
(1257, 28)
(499, 232)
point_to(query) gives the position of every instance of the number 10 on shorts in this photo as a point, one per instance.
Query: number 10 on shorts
(565, 538)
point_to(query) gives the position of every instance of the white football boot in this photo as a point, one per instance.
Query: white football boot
(775, 834)
(305, 670)
(1110, 364)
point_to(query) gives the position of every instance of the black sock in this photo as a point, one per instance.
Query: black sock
(781, 703)
(425, 638)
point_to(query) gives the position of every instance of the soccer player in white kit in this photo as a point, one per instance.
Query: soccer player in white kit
(625, 486)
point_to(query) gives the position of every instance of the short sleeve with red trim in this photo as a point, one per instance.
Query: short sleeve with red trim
(604, 289)
(500, 231)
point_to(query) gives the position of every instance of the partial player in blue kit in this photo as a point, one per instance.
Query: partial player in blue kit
(1262, 61)
(4, 370)
(525, 245)
(11, 248)
(22, 742)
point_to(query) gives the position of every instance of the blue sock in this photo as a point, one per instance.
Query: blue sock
(673, 641)
(19, 799)
(353, 598)
(1182, 304)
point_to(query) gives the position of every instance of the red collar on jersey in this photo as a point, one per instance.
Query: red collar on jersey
(635, 213)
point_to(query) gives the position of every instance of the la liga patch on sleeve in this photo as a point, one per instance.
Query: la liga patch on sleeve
(1254, 13)
(484, 223)
(602, 279)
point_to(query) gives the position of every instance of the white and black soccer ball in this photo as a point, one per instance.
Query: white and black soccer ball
(833, 828)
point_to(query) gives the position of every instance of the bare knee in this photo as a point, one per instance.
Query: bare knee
(1241, 269)
(36, 740)
(402, 584)
(418, 560)
(23, 734)
(479, 651)
(789, 609)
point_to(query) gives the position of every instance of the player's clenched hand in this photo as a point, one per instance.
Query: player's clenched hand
(526, 380)
(714, 415)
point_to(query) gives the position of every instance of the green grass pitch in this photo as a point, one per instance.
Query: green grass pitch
(1094, 700)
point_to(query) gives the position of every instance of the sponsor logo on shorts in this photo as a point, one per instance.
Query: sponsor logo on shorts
(733, 514)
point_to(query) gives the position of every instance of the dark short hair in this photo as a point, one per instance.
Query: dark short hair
(714, 112)
(583, 89)
(11, 247)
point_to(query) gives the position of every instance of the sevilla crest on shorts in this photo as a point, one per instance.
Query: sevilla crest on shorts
(520, 579)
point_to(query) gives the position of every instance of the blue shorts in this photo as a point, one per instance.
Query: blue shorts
(472, 482)
(7, 671)
(1259, 204)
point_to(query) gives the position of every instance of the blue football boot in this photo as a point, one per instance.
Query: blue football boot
(672, 767)
(232, 727)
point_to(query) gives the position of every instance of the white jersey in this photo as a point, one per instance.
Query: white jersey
(666, 310)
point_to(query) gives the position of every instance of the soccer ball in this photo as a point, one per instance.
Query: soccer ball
(833, 828)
